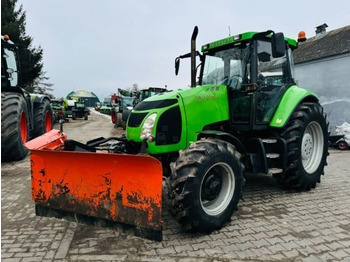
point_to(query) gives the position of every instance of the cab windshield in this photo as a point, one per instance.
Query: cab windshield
(128, 101)
(147, 94)
(80, 105)
(226, 67)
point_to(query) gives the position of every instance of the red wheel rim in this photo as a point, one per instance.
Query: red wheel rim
(342, 145)
(23, 126)
(48, 121)
(113, 117)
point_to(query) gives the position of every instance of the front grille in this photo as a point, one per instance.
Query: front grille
(169, 127)
(135, 119)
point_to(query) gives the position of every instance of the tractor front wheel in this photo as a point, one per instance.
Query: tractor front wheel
(306, 136)
(206, 184)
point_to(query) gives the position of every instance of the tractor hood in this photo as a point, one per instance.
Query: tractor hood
(170, 121)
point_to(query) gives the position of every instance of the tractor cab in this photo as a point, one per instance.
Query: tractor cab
(256, 68)
(146, 93)
(9, 64)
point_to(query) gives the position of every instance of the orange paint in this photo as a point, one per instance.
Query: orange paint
(54, 139)
(119, 187)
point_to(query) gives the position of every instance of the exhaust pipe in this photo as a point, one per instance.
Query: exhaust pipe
(193, 56)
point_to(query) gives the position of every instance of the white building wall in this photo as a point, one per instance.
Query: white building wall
(329, 78)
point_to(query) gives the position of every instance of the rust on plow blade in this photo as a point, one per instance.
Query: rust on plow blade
(117, 187)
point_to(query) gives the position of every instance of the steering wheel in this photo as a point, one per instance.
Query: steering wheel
(233, 82)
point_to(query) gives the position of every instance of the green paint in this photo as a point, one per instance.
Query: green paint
(245, 37)
(290, 100)
(199, 107)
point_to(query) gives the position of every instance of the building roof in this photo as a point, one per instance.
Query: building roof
(332, 43)
(81, 93)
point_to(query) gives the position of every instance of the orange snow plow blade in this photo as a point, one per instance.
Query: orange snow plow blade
(117, 187)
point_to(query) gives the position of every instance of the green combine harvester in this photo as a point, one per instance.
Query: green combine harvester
(244, 113)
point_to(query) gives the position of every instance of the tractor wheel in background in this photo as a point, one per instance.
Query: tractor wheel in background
(205, 184)
(342, 145)
(14, 126)
(119, 121)
(43, 118)
(125, 115)
(307, 148)
(113, 116)
(86, 116)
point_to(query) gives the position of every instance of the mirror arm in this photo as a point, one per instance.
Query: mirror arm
(188, 55)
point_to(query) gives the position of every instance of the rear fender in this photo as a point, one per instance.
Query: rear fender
(290, 100)
(38, 98)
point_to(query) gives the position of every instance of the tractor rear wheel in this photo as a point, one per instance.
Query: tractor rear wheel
(306, 136)
(206, 184)
(14, 126)
(43, 118)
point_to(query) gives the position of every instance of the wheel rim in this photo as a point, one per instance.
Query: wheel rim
(23, 126)
(217, 189)
(113, 117)
(48, 121)
(342, 145)
(312, 147)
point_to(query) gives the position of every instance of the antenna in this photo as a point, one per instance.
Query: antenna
(229, 31)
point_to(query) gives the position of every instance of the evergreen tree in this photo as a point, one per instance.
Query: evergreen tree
(41, 86)
(13, 22)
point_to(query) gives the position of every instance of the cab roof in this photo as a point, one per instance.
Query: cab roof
(244, 37)
(5, 38)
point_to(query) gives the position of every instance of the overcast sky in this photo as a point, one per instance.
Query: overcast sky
(104, 45)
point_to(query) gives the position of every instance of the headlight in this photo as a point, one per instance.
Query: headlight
(147, 128)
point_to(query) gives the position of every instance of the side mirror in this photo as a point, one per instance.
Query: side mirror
(278, 45)
(177, 65)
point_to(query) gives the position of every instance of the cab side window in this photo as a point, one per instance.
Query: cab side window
(10, 70)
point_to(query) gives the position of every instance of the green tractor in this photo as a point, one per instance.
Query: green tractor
(245, 114)
(24, 116)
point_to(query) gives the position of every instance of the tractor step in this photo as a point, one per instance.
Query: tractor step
(275, 151)
(269, 141)
(272, 155)
(274, 170)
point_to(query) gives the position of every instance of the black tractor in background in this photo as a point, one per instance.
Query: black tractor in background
(80, 111)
